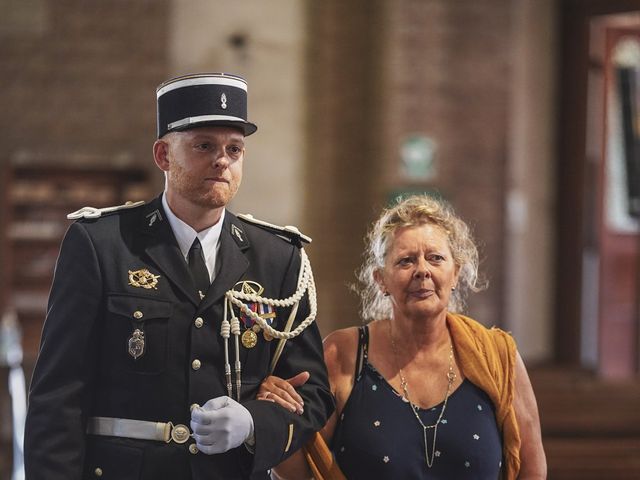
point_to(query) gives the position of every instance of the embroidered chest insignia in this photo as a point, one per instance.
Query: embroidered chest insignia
(143, 278)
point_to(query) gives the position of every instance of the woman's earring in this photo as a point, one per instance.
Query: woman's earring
(453, 289)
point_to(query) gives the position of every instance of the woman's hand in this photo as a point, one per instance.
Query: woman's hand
(281, 391)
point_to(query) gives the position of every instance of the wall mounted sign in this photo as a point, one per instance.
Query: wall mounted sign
(417, 158)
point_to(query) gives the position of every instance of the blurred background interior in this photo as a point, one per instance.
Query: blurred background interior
(525, 114)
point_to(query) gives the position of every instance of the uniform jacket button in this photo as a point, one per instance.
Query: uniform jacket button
(193, 448)
(98, 472)
(196, 364)
(199, 322)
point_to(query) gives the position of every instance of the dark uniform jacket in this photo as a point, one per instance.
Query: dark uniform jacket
(84, 367)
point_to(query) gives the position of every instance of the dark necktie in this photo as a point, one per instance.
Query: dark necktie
(198, 268)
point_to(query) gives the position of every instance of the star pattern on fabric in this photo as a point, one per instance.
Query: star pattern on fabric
(473, 429)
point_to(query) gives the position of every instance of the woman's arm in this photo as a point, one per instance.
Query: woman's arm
(533, 463)
(296, 467)
(340, 356)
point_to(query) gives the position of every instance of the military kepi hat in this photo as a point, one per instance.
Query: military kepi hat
(205, 99)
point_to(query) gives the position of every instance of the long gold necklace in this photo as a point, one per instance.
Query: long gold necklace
(451, 376)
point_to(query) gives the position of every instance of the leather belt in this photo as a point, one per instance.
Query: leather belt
(138, 429)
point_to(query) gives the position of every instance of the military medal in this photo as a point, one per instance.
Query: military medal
(136, 344)
(249, 338)
(250, 335)
(143, 278)
(266, 312)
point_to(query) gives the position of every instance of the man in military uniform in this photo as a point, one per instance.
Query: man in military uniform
(141, 372)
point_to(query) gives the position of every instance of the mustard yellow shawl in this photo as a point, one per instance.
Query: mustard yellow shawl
(487, 357)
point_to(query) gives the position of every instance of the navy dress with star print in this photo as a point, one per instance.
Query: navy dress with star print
(378, 436)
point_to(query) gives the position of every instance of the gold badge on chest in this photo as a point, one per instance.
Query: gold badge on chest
(143, 278)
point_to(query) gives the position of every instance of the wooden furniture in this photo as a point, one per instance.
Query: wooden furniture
(38, 197)
(590, 425)
(38, 193)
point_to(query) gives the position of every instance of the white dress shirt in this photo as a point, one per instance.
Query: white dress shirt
(185, 235)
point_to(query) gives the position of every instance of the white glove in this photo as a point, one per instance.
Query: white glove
(220, 425)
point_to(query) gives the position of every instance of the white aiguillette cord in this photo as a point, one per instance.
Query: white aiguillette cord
(228, 327)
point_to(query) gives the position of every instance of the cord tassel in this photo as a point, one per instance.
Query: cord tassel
(235, 330)
(225, 331)
(305, 284)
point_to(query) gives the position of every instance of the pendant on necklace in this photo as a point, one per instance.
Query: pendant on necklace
(451, 376)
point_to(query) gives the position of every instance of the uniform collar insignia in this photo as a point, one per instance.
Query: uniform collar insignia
(154, 217)
(239, 236)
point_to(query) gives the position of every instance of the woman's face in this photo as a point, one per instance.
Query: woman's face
(419, 272)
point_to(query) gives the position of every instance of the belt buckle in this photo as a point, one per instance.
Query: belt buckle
(178, 433)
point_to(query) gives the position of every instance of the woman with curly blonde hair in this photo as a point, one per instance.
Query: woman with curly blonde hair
(421, 390)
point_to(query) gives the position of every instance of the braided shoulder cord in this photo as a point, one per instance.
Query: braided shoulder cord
(305, 284)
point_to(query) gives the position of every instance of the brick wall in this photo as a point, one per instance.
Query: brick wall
(431, 67)
(82, 83)
(79, 82)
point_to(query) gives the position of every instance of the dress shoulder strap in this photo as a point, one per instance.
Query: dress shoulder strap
(363, 349)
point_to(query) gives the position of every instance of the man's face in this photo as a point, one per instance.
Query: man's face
(203, 165)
